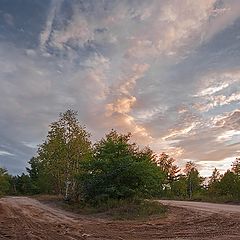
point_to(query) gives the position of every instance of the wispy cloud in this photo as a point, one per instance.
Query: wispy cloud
(5, 153)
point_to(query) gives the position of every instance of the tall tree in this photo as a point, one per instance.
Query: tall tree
(58, 158)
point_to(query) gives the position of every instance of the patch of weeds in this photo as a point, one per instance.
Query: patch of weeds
(137, 209)
(119, 209)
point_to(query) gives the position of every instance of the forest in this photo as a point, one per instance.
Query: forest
(68, 164)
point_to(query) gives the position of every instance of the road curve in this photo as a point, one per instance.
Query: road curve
(204, 206)
(28, 219)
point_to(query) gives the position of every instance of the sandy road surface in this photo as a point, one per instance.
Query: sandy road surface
(203, 206)
(24, 218)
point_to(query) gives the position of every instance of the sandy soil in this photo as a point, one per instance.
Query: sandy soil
(203, 206)
(24, 218)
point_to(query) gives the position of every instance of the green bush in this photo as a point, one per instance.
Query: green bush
(119, 170)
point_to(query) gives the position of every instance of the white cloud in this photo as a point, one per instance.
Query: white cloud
(5, 153)
(214, 90)
(172, 26)
(181, 132)
(222, 165)
(227, 135)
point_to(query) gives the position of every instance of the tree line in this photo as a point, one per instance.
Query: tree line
(68, 164)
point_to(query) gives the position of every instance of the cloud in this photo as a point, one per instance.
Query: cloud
(213, 140)
(173, 28)
(181, 132)
(219, 100)
(122, 105)
(129, 81)
(228, 136)
(208, 166)
(76, 33)
(224, 14)
(9, 19)
(122, 102)
(5, 153)
(218, 89)
(228, 121)
(163, 70)
(46, 33)
(212, 90)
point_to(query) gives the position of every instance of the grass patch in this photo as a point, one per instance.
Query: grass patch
(140, 209)
(130, 209)
(120, 209)
(47, 197)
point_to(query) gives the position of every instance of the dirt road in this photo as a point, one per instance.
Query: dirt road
(23, 218)
(206, 207)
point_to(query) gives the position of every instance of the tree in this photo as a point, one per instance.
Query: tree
(166, 163)
(24, 185)
(179, 187)
(171, 172)
(236, 166)
(4, 182)
(230, 185)
(215, 177)
(213, 183)
(39, 176)
(194, 180)
(35, 168)
(120, 170)
(58, 158)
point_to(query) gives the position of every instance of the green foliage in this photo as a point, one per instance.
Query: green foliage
(23, 185)
(120, 170)
(230, 185)
(113, 169)
(131, 209)
(179, 188)
(4, 182)
(58, 158)
(185, 186)
(213, 184)
(119, 209)
(226, 187)
(41, 180)
(193, 178)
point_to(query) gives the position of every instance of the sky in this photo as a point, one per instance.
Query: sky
(166, 71)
